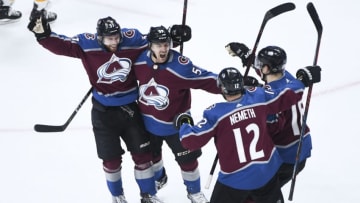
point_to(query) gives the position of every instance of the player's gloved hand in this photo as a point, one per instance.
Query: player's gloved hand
(181, 119)
(251, 81)
(180, 33)
(39, 25)
(242, 51)
(309, 75)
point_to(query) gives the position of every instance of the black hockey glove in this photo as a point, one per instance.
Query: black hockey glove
(309, 75)
(181, 119)
(251, 81)
(242, 51)
(180, 33)
(39, 25)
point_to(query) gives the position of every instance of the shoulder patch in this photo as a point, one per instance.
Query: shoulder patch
(89, 36)
(251, 88)
(183, 60)
(129, 33)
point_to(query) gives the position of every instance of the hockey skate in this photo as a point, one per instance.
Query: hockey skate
(8, 15)
(160, 183)
(119, 199)
(146, 198)
(197, 198)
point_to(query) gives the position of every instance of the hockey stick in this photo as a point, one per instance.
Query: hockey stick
(183, 24)
(282, 8)
(60, 128)
(316, 20)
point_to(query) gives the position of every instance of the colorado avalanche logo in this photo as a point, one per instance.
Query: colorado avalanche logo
(115, 69)
(154, 94)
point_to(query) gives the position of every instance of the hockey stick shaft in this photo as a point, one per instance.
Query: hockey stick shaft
(316, 20)
(183, 24)
(212, 172)
(60, 128)
(282, 8)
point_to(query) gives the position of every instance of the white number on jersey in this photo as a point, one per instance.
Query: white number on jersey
(252, 148)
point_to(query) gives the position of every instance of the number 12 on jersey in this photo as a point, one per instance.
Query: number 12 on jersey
(252, 148)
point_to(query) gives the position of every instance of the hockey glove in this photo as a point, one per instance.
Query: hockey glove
(39, 25)
(309, 75)
(251, 81)
(180, 33)
(240, 50)
(181, 119)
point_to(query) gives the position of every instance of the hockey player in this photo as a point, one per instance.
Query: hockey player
(8, 14)
(248, 158)
(285, 127)
(107, 57)
(165, 79)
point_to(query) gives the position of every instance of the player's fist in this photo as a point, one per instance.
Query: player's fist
(180, 33)
(39, 25)
(252, 82)
(240, 50)
(181, 119)
(309, 75)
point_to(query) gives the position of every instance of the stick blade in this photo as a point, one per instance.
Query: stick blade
(282, 8)
(48, 128)
(315, 17)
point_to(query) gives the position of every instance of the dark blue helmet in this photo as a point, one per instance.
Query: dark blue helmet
(230, 81)
(158, 35)
(272, 56)
(107, 27)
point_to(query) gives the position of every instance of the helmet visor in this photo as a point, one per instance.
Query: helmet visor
(258, 64)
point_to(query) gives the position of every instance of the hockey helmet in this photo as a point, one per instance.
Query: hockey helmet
(107, 27)
(272, 56)
(230, 81)
(158, 35)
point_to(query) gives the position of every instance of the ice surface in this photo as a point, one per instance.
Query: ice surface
(40, 87)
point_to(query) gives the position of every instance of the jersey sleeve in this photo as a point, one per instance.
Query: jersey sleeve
(132, 38)
(63, 45)
(283, 99)
(195, 137)
(196, 77)
(275, 123)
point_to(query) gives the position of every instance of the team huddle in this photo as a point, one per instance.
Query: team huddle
(141, 98)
